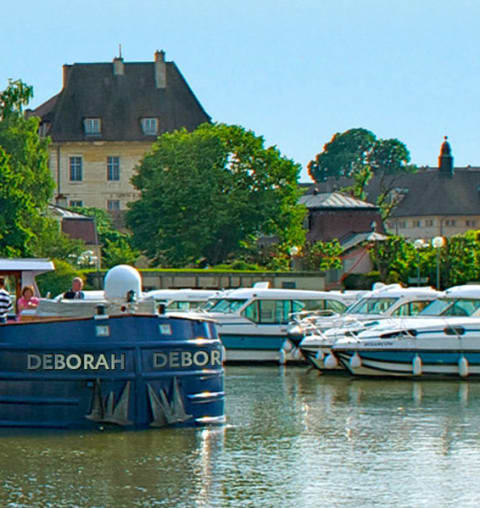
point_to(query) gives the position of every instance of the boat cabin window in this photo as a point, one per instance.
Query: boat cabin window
(183, 306)
(280, 311)
(436, 308)
(271, 311)
(411, 308)
(323, 304)
(372, 305)
(227, 305)
(452, 307)
(462, 307)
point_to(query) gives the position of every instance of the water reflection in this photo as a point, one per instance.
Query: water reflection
(292, 438)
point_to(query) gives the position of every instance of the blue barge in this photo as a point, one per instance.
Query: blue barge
(120, 366)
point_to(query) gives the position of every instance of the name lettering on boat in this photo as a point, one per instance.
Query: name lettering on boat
(182, 359)
(117, 361)
(60, 361)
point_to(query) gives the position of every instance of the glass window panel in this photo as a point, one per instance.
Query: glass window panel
(113, 168)
(76, 169)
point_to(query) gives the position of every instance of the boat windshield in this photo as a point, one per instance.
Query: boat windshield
(227, 305)
(451, 307)
(376, 305)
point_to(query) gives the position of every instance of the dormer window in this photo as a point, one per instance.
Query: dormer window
(92, 126)
(150, 126)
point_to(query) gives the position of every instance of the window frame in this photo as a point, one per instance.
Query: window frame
(113, 168)
(75, 168)
(113, 209)
(150, 125)
(92, 126)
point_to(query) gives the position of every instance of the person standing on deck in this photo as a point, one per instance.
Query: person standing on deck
(75, 293)
(5, 301)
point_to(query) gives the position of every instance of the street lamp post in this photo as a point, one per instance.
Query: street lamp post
(87, 259)
(419, 244)
(438, 242)
(293, 251)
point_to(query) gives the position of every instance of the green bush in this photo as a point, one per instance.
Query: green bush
(361, 280)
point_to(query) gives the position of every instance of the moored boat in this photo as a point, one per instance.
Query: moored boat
(440, 341)
(253, 322)
(426, 347)
(88, 364)
(377, 306)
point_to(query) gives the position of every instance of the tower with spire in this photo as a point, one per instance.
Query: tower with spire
(445, 159)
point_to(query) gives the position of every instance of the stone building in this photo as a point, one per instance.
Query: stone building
(434, 201)
(443, 201)
(356, 224)
(105, 119)
(337, 215)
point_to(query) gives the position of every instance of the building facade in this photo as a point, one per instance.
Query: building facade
(433, 201)
(443, 201)
(356, 224)
(105, 119)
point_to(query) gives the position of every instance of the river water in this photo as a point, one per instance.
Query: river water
(292, 438)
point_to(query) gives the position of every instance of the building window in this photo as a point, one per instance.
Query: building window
(76, 170)
(74, 203)
(113, 205)
(92, 126)
(402, 224)
(470, 223)
(417, 223)
(450, 222)
(429, 223)
(113, 168)
(150, 126)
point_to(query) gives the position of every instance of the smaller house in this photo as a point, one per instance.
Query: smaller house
(79, 227)
(334, 215)
(353, 222)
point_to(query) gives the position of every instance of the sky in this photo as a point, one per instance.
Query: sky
(293, 71)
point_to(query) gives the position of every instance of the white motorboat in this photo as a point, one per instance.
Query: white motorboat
(181, 300)
(253, 322)
(425, 347)
(387, 302)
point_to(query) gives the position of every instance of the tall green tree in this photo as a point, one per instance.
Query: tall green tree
(358, 155)
(212, 193)
(26, 185)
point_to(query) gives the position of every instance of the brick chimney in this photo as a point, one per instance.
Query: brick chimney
(66, 73)
(118, 66)
(160, 70)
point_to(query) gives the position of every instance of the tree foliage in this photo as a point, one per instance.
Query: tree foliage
(397, 260)
(59, 280)
(322, 256)
(357, 154)
(210, 194)
(25, 182)
(51, 242)
(116, 246)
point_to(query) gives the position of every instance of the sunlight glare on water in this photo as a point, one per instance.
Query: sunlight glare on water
(292, 438)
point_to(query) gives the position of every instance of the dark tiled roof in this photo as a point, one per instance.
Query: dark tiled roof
(93, 91)
(427, 192)
(432, 193)
(82, 229)
(333, 200)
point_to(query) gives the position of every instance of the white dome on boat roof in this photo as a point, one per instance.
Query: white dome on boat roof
(120, 280)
